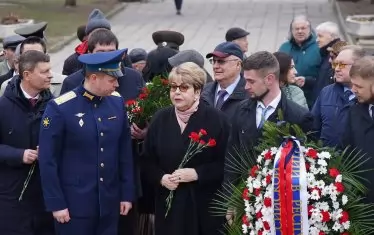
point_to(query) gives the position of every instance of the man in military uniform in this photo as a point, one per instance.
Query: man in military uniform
(9, 44)
(36, 30)
(85, 154)
(168, 38)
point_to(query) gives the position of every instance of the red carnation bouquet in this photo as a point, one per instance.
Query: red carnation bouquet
(154, 96)
(197, 144)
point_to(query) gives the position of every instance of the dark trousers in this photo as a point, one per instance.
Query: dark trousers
(105, 225)
(178, 4)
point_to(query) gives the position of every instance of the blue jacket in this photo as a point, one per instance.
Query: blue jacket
(85, 154)
(307, 62)
(330, 114)
(130, 84)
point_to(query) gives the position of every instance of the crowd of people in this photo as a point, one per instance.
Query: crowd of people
(91, 172)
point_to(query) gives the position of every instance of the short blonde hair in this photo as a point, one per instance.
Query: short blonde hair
(363, 68)
(189, 73)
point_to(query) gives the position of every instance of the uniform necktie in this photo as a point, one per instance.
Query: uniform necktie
(33, 101)
(220, 100)
(263, 116)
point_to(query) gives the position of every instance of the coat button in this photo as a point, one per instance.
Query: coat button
(102, 164)
(102, 149)
(102, 134)
(99, 119)
(101, 179)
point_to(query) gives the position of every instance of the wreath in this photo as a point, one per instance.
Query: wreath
(299, 187)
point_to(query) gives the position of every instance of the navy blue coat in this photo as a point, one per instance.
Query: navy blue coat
(130, 84)
(86, 160)
(19, 130)
(330, 113)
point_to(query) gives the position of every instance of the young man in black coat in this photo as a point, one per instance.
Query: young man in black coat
(359, 133)
(22, 107)
(261, 72)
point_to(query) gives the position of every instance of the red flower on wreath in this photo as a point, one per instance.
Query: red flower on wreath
(325, 216)
(321, 233)
(344, 218)
(310, 208)
(164, 81)
(254, 171)
(245, 220)
(267, 201)
(259, 215)
(257, 192)
(130, 102)
(245, 194)
(334, 172)
(339, 187)
(266, 225)
(268, 155)
(312, 153)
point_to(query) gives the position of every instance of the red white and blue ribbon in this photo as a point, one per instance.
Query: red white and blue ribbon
(290, 195)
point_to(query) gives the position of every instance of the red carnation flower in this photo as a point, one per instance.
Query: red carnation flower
(334, 172)
(202, 142)
(259, 232)
(259, 215)
(257, 192)
(267, 201)
(312, 153)
(307, 166)
(268, 155)
(266, 225)
(203, 132)
(164, 81)
(245, 220)
(142, 96)
(145, 90)
(321, 233)
(345, 217)
(325, 216)
(245, 194)
(339, 187)
(130, 102)
(268, 179)
(212, 142)
(310, 208)
(194, 137)
(345, 233)
(254, 171)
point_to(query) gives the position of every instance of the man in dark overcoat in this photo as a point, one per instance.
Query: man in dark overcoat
(261, 72)
(86, 160)
(22, 107)
(359, 131)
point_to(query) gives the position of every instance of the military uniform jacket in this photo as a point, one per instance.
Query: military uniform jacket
(85, 154)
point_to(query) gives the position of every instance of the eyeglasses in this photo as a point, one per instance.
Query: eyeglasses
(220, 62)
(181, 87)
(339, 65)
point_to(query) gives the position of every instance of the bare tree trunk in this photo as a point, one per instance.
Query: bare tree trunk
(70, 3)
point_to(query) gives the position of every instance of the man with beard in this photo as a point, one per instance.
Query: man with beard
(261, 72)
(22, 106)
(359, 133)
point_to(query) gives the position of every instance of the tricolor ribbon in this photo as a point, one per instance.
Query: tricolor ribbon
(290, 190)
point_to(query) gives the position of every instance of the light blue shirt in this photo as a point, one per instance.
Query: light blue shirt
(352, 96)
(230, 89)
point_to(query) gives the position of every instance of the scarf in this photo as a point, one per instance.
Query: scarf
(82, 48)
(184, 116)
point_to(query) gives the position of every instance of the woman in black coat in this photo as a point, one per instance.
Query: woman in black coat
(166, 143)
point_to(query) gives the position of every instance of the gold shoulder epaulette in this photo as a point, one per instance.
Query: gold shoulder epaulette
(65, 97)
(115, 93)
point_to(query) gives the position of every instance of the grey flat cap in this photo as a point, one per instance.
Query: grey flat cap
(138, 54)
(32, 30)
(12, 41)
(187, 56)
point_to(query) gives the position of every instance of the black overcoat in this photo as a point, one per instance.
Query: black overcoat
(165, 147)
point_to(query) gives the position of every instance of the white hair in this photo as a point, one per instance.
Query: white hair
(329, 27)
